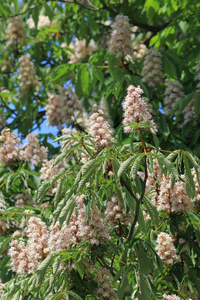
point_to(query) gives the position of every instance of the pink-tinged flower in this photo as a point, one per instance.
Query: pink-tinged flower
(136, 109)
(173, 200)
(120, 42)
(62, 108)
(166, 250)
(27, 75)
(173, 93)
(100, 130)
(15, 32)
(152, 72)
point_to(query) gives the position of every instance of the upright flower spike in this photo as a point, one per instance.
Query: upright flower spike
(100, 130)
(152, 72)
(120, 42)
(166, 249)
(15, 32)
(27, 75)
(63, 108)
(173, 93)
(136, 109)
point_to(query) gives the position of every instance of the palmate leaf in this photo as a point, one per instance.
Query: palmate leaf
(189, 182)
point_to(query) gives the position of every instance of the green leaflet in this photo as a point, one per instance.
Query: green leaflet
(74, 295)
(189, 182)
(136, 165)
(125, 165)
(151, 210)
(164, 161)
(67, 211)
(43, 267)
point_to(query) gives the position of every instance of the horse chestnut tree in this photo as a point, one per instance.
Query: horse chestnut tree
(99, 150)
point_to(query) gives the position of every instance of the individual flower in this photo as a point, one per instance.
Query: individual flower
(27, 75)
(166, 249)
(100, 130)
(15, 32)
(152, 71)
(173, 93)
(120, 42)
(136, 109)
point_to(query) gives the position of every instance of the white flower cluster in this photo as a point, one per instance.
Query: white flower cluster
(154, 181)
(2, 287)
(105, 290)
(171, 297)
(173, 93)
(80, 49)
(175, 200)
(10, 146)
(15, 32)
(33, 151)
(136, 109)
(189, 112)
(115, 213)
(25, 257)
(166, 249)
(120, 42)
(60, 239)
(48, 171)
(152, 71)
(96, 231)
(27, 75)
(22, 199)
(139, 51)
(10, 149)
(43, 21)
(100, 130)
(63, 108)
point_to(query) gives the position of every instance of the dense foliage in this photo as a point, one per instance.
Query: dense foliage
(111, 209)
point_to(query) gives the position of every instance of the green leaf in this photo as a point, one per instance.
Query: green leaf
(151, 210)
(40, 272)
(124, 166)
(136, 165)
(62, 73)
(165, 162)
(85, 80)
(123, 284)
(74, 295)
(66, 212)
(189, 182)
(80, 268)
(35, 14)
